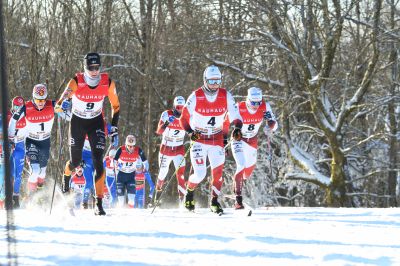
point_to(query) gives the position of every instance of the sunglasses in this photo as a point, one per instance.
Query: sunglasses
(255, 103)
(15, 107)
(214, 81)
(93, 68)
(130, 146)
(40, 100)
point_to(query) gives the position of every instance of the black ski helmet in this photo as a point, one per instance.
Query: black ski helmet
(91, 59)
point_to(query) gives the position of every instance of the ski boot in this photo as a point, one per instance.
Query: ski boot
(189, 202)
(16, 204)
(99, 207)
(239, 203)
(215, 206)
(85, 205)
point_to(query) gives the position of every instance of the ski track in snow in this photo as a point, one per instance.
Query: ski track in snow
(274, 236)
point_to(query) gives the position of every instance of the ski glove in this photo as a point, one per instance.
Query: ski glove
(65, 183)
(237, 134)
(114, 136)
(194, 135)
(169, 121)
(66, 105)
(267, 116)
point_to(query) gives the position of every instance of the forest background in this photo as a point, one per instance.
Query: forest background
(330, 70)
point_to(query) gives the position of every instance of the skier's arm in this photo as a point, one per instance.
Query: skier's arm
(144, 160)
(187, 112)
(117, 154)
(163, 123)
(225, 129)
(72, 86)
(233, 112)
(270, 118)
(13, 121)
(114, 101)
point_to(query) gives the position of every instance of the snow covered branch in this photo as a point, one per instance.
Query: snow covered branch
(306, 161)
(245, 74)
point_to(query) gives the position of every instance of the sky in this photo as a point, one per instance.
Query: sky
(271, 236)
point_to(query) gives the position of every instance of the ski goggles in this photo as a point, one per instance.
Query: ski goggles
(214, 81)
(39, 100)
(93, 68)
(15, 108)
(255, 103)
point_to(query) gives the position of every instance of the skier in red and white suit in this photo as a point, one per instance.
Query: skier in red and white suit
(172, 148)
(203, 119)
(253, 111)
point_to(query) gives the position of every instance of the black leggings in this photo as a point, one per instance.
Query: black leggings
(94, 128)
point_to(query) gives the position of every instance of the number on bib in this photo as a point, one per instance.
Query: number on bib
(212, 121)
(251, 127)
(89, 106)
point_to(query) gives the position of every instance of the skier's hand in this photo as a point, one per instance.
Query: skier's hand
(194, 135)
(66, 105)
(237, 134)
(171, 118)
(267, 115)
(114, 136)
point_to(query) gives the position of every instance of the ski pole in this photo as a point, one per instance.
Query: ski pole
(60, 129)
(173, 175)
(269, 154)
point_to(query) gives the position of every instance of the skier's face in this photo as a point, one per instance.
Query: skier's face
(93, 70)
(39, 103)
(79, 171)
(130, 147)
(179, 108)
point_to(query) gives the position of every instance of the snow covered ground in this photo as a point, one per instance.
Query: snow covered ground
(274, 236)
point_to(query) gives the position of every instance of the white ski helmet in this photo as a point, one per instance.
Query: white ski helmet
(179, 102)
(39, 92)
(130, 140)
(112, 153)
(254, 97)
(211, 72)
(254, 94)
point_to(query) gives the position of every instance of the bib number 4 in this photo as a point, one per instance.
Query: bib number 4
(211, 121)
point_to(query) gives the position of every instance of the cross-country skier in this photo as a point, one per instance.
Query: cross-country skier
(18, 152)
(39, 117)
(87, 92)
(172, 148)
(77, 185)
(141, 178)
(127, 156)
(252, 111)
(203, 119)
(111, 176)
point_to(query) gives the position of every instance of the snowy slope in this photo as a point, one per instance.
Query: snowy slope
(277, 236)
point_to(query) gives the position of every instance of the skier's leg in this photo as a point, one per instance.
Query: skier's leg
(164, 162)
(240, 159)
(179, 161)
(251, 160)
(198, 158)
